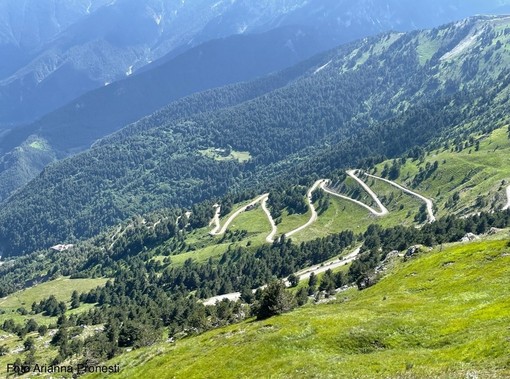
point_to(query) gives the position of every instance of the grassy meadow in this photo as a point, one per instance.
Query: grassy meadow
(444, 314)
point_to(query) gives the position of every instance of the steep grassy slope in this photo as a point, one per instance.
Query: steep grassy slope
(444, 314)
(471, 175)
(326, 119)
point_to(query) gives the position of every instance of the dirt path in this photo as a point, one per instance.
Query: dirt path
(216, 220)
(230, 296)
(218, 231)
(428, 202)
(274, 230)
(302, 275)
(507, 206)
(330, 265)
(383, 210)
(114, 237)
(313, 217)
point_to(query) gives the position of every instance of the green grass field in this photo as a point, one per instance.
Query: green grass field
(39, 145)
(444, 314)
(61, 288)
(254, 221)
(291, 222)
(483, 173)
(426, 48)
(340, 215)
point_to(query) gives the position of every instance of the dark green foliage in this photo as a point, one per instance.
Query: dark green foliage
(312, 283)
(293, 280)
(422, 214)
(75, 300)
(31, 326)
(328, 283)
(245, 268)
(136, 334)
(291, 199)
(301, 296)
(394, 171)
(275, 300)
(425, 173)
(29, 344)
(61, 337)
(50, 307)
(42, 330)
(4, 350)
(313, 125)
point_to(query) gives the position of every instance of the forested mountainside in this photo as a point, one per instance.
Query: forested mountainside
(165, 266)
(437, 81)
(60, 50)
(76, 126)
(293, 30)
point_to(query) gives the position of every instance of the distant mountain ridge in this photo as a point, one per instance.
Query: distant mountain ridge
(297, 29)
(76, 126)
(60, 50)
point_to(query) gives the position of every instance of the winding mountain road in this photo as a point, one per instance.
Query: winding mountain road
(370, 209)
(383, 210)
(352, 173)
(220, 230)
(313, 217)
(223, 229)
(274, 229)
(302, 275)
(428, 202)
(322, 184)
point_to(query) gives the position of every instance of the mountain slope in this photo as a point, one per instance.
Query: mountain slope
(107, 109)
(115, 38)
(94, 48)
(326, 119)
(74, 47)
(25, 27)
(76, 126)
(441, 314)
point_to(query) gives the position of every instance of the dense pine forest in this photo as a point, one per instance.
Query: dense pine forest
(324, 119)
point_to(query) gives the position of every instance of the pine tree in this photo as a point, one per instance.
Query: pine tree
(275, 300)
(75, 300)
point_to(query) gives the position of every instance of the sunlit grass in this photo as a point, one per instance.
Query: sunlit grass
(441, 315)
